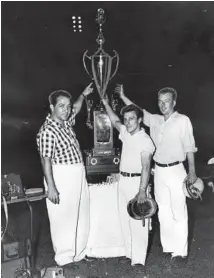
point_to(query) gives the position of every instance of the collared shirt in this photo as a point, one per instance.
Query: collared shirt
(173, 138)
(59, 142)
(133, 146)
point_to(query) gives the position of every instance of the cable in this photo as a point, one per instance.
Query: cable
(6, 216)
(22, 273)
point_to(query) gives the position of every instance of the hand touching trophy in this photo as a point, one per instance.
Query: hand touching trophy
(114, 103)
(119, 90)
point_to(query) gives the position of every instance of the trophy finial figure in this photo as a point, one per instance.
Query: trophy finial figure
(100, 18)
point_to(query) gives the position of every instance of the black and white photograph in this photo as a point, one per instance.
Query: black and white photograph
(107, 139)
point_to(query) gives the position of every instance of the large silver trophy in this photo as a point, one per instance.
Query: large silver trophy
(99, 67)
(101, 62)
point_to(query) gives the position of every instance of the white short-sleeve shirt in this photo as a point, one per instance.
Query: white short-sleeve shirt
(133, 146)
(173, 138)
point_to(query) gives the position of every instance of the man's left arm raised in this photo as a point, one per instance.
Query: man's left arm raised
(113, 117)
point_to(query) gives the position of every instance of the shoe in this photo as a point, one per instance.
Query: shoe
(165, 260)
(72, 266)
(89, 259)
(178, 262)
(139, 269)
(124, 260)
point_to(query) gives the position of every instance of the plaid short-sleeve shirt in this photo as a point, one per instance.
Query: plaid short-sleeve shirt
(59, 142)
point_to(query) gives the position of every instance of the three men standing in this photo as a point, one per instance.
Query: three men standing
(65, 181)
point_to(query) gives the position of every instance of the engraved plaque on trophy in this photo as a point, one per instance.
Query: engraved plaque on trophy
(103, 134)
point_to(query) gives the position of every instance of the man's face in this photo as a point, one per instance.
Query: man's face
(131, 122)
(61, 111)
(166, 103)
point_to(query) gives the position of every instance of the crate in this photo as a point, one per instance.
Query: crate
(12, 250)
(13, 268)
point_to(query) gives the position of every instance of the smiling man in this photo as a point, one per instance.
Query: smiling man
(137, 151)
(65, 180)
(172, 134)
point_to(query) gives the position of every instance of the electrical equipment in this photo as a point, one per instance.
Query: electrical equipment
(15, 258)
(11, 250)
(11, 186)
(52, 272)
(16, 268)
(33, 192)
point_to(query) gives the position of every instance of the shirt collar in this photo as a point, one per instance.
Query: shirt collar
(174, 114)
(142, 130)
(49, 120)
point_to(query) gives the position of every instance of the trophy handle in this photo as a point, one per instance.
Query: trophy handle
(116, 68)
(83, 58)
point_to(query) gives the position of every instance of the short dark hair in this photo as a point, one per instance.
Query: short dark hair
(130, 108)
(58, 93)
(169, 90)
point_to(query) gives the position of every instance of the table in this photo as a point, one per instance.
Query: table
(105, 236)
(29, 200)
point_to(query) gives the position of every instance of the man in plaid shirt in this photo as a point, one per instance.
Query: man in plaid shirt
(64, 177)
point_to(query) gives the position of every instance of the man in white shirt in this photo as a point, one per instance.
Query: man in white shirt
(137, 151)
(172, 135)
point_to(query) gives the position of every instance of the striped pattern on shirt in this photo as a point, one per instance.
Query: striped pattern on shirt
(59, 142)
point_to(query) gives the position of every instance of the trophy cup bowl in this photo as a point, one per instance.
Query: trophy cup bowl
(101, 68)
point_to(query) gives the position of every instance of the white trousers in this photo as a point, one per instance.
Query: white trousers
(69, 220)
(134, 234)
(172, 207)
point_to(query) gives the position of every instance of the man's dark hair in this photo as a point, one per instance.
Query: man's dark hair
(130, 108)
(58, 93)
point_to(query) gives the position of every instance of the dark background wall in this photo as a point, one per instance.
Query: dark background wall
(159, 43)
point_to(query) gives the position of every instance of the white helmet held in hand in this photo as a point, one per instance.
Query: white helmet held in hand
(193, 191)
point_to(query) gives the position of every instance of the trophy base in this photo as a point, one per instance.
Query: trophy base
(102, 164)
(102, 169)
